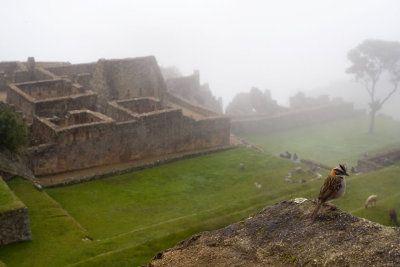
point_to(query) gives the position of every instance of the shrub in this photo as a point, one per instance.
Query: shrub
(13, 131)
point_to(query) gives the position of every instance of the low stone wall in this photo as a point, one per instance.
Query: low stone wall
(293, 119)
(49, 107)
(59, 106)
(141, 105)
(378, 161)
(14, 226)
(72, 69)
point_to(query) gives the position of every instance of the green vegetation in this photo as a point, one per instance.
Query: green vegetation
(333, 142)
(143, 212)
(13, 132)
(125, 220)
(384, 183)
(8, 200)
(55, 234)
(203, 185)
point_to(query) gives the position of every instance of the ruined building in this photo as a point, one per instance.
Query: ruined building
(110, 111)
(253, 103)
(189, 88)
(256, 113)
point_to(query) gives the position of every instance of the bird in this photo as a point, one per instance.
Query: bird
(333, 188)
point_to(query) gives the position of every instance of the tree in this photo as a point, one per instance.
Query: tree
(13, 131)
(372, 60)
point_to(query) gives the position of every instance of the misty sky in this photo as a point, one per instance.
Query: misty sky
(281, 45)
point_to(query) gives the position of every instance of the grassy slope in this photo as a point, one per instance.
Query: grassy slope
(133, 216)
(8, 200)
(147, 211)
(330, 143)
(359, 188)
(167, 192)
(212, 203)
(55, 234)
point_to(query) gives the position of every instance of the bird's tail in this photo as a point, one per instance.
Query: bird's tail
(314, 214)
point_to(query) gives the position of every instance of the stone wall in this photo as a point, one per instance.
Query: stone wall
(190, 106)
(8, 67)
(22, 76)
(151, 134)
(14, 226)
(184, 86)
(59, 106)
(189, 88)
(42, 131)
(67, 135)
(49, 98)
(254, 103)
(141, 105)
(128, 78)
(14, 220)
(118, 113)
(379, 161)
(21, 101)
(293, 119)
(49, 88)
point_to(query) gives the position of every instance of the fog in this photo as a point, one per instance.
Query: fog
(284, 46)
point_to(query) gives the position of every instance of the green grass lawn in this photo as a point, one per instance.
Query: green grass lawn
(8, 200)
(133, 216)
(333, 142)
(55, 234)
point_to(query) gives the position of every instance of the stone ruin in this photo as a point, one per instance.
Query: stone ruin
(110, 111)
(378, 161)
(189, 88)
(254, 103)
(300, 101)
(257, 113)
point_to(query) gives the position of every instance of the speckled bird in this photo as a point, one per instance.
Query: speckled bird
(333, 188)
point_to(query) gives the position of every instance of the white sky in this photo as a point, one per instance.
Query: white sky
(280, 45)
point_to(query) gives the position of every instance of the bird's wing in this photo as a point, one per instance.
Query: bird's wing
(331, 185)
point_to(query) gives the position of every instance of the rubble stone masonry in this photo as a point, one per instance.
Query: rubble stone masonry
(14, 226)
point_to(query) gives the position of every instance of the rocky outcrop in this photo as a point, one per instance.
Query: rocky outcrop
(284, 235)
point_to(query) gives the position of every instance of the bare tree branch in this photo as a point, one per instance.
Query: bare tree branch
(390, 94)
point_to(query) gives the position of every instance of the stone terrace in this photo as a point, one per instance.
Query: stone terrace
(135, 118)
